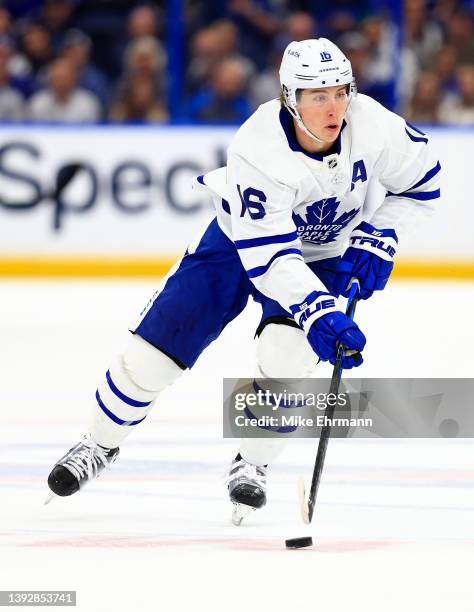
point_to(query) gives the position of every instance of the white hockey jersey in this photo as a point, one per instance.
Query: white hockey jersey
(282, 206)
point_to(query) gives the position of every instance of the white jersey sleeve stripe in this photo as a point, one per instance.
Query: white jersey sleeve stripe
(417, 195)
(417, 138)
(260, 270)
(414, 128)
(259, 256)
(422, 138)
(264, 240)
(428, 176)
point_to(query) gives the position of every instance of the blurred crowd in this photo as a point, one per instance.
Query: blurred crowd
(111, 60)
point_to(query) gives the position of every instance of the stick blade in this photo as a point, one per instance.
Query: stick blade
(304, 508)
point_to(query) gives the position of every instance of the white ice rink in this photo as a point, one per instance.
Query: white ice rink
(394, 524)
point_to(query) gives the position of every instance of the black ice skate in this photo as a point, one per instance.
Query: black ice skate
(82, 463)
(247, 488)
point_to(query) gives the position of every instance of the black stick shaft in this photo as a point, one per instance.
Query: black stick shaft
(328, 414)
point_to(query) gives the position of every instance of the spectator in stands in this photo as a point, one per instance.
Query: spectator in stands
(266, 85)
(56, 16)
(224, 101)
(442, 10)
(339, 23)
(356, 49)
(210, 46)
(36, 43)
(379, 70)
(444, 66)
(459, 109)
(18, 66)
(258, 25)
(229, 45)
(138, 102)
(11, 102)
(5, 22)
(424, 107)
(297, 26)
(77, 49)
(408, 72)
(206, 53)
(119, 34)
(63, 100)
(142, 21)
(144, 57)
(422, 34)
(461, 36)
(104, 21)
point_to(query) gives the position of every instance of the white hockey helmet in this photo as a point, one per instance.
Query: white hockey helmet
(312, 64)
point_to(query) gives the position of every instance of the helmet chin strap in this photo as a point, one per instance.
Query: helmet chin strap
(294, 113)
(308, 132)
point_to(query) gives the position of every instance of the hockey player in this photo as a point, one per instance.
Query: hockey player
(291, 230)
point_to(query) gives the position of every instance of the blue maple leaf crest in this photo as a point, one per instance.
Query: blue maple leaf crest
(321, 224)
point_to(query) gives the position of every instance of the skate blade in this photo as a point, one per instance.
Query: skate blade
(50, 498)
(240, 512)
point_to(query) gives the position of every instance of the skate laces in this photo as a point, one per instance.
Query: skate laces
(86, 459)
(247, 471)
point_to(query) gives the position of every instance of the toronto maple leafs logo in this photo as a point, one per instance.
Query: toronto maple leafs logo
(321, 224)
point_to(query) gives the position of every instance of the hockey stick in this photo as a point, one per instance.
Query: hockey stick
(65, 176)
(307, 507)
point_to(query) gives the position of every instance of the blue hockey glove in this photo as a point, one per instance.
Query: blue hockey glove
(369, 259)
(326, 326)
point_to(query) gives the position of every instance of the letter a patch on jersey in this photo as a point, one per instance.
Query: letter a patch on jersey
(359, 173)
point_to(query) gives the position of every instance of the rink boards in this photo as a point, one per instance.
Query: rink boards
(132, 210)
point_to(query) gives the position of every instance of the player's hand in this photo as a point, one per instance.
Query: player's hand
(328, 331)
(369, 259)
(326, 327)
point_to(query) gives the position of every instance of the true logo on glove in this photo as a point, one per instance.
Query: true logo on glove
(322, 305)
(374, 243)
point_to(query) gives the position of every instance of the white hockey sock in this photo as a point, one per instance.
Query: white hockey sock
(127, 392)
(120, 406)
(283, 355)
(261, 451)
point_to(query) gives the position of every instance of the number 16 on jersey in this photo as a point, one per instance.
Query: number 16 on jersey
(252, 201)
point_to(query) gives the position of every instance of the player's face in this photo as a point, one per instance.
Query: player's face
(322, 110)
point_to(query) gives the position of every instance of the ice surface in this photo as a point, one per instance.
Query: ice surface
(394, 524)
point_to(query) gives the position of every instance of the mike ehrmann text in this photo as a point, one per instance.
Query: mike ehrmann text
(299, 421)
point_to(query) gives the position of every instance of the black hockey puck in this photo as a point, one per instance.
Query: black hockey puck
(299, 542)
